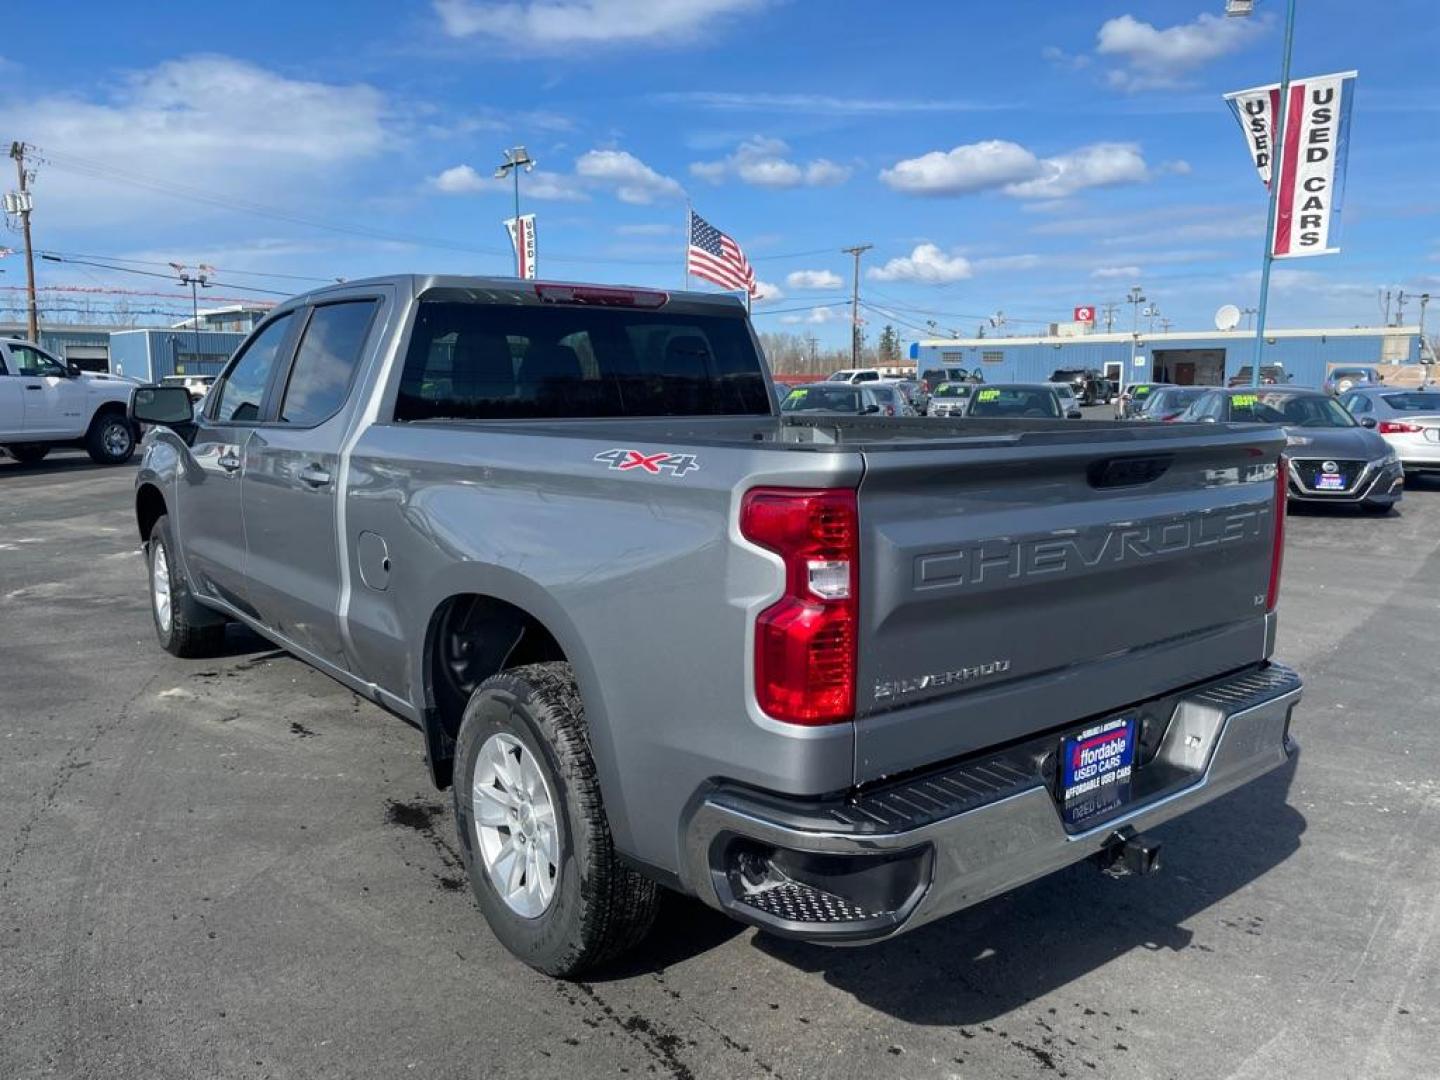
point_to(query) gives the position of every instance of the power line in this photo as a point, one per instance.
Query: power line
(152, 273)
(101, 171)
(157, 262)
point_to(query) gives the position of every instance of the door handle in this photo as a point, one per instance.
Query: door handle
(228, 462)
(33, 386)
(315, 476)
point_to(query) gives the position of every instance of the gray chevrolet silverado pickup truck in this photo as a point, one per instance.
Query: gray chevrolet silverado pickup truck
(837, 677)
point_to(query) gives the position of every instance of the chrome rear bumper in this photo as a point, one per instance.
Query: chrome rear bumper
(880, 862)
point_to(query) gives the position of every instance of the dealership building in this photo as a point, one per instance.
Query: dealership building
(1204, 358)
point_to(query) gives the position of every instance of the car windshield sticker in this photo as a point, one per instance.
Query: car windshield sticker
(989, 395)
(622, 460)
(1141, 391)
(1244, 401)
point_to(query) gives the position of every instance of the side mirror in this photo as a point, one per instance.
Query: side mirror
(167, 406)
(1074, 414)
(72, 371)
(1367, 421)
(870, 409)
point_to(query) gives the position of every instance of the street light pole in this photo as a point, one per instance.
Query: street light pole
(1243, 8)
(197, 281)
(516, 158)
(1134, 299)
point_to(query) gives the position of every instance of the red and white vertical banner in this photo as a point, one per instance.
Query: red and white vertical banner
(522, 239)
(1312, 163)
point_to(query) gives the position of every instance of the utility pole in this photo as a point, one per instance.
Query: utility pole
(1247, 312)
(1400, 308)
(19, 204)
(856, 251)
(1110, 315)
(1424, 299)
(1134, 298)
(1385, 305)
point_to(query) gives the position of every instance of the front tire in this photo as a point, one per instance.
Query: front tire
(28, 453)
(111, 439)
(533, 830)
(185, 627)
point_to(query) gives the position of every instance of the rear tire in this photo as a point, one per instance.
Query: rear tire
(185, 627)
(27, 453)
(595, 907)
(111, 439)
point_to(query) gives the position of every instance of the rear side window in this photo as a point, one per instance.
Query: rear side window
(243, 389)
(1415, 401)
(474, 361)
(326, 360)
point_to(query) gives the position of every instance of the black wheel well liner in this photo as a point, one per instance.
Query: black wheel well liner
(470, 637)
(149, 508)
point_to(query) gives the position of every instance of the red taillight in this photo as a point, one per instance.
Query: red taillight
(1277, 556)
(590, 294)
(805, 641)
(1396, 427)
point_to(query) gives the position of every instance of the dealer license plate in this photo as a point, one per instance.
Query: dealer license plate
(1095, 766)
(1331, 481)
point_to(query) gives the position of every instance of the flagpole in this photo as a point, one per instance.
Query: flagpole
(685, 239)
(1281, 111)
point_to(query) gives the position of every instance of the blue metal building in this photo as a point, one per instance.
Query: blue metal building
(150, 355)
(87, 346)
(1202, 358)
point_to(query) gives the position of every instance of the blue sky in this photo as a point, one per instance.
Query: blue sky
(1021, 156)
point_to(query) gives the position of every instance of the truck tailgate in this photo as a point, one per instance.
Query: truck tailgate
(1027, 583)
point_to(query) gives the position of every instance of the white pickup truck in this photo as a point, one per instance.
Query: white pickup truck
(45, 403)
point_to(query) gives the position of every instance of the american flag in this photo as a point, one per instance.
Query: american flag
(715, 257)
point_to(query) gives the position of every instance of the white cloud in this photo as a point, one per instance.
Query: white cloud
(973, 167)
(1178, 167)
(813, 279)
(762, 162)
(1100, 165)
(1163, 58)
(560, 24)
(465, 180)
(1109, 273)
(818, 316)
(207, 122)
(766, 292)
(1017, 171)
(631, 179)
(926, 264)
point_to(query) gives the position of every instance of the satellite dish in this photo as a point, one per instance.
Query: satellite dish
(1227, 317)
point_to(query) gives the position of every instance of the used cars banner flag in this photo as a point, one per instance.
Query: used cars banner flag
(1312, 161)
(522, 239)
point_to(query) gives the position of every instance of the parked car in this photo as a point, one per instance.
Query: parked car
(1133, 398)
(1333, 459)
(1066, 393)
(1090, 386)
(45, 403)
(915, 394)
(836, 679)
(1017, 401)
(856, 375)
(1270, 375)
(827, 397)
(1343, 379)
(1167, 404)
(949, 398)
(933, 376)
(1409, 420)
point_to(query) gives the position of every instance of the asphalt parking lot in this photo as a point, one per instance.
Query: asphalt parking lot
(236, 868)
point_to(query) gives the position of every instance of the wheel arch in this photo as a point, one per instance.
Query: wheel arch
(149, 508)
(513, 622)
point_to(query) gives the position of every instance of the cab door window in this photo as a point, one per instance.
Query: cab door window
(242, 391)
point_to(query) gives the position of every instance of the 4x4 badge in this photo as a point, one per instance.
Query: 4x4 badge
(622, 460)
